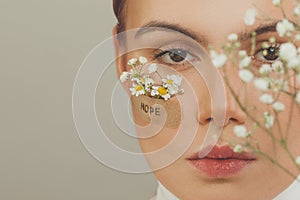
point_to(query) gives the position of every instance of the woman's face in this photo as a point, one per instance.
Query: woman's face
(212, 22)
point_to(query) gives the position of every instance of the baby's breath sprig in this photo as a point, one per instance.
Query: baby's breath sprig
(275, 81)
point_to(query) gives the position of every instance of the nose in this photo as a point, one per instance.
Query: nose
(221, 110)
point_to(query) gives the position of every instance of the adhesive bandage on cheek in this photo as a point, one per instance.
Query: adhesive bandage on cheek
(147, 109)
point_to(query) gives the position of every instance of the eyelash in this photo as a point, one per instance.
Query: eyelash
(159, 54)
(256, 59)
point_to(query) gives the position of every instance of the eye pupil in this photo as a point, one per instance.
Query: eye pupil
(177, 55)
(271, 53)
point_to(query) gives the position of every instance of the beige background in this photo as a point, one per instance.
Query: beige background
(42, 45)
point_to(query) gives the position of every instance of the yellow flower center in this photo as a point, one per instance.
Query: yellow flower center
(142, 80)
(169, 82)
(138, 88)
(162, 91)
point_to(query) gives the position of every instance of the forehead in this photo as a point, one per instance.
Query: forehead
(214, 19)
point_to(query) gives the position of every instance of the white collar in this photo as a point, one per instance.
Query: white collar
(290, 193)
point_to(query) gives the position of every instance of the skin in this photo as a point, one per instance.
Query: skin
(204, 17)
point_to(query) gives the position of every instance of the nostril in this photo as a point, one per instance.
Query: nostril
(233, 120)
(210, 119)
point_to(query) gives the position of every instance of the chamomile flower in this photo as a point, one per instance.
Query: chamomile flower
(137, 90)
(172, 80)
(148, 82)
(160, 91)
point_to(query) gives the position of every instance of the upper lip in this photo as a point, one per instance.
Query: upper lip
(222, 153)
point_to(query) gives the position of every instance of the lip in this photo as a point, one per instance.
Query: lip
(221, 162)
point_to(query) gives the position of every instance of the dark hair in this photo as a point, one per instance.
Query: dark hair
(119, 10)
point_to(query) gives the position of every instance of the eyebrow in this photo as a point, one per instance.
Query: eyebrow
(156, 25)
(261, 29)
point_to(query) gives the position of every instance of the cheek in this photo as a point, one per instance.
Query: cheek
(157, 121)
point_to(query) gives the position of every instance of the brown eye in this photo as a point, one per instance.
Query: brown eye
(267, 55)
(177, 55)
(271, 53)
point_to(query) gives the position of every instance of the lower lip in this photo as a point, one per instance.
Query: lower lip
(214, 168)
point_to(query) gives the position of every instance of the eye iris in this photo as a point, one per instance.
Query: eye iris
(271, 53)
(177, 55)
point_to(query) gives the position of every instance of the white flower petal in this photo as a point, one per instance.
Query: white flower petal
(297, 10)
(238, 148)
(265, 69)
(278, 67)
(173, 89)
(277, 106)
(143, 60)
(266, 98)
(219, 60)
(176, 79)
(268, 119)
(287, 51)
(166, 96)
(232, 37)
(124, 77)
(297, 160)
(242, 53)
(152, 68)
(276, 2)
(294, 62)
(132, 61)
(285, 28)
(261, 84)
(280, 29)
(240, 131)
(245, 62)
(245, 75)
(249, 18)
(298, 97)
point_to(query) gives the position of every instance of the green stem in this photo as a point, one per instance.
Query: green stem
(277, 164)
